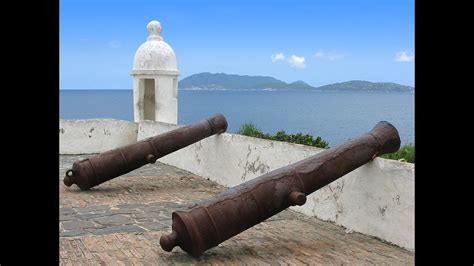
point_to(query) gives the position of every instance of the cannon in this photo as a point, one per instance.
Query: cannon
(207, 223)
(105, 166)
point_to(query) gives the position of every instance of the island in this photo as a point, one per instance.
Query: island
(223, 81)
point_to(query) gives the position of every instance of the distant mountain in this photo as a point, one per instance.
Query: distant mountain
(222, 81)
(360, 85)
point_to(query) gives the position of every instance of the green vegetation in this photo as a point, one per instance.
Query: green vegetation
(405, 153)
(216, 81)
(222, 81)
(360, 85)
(249, 129)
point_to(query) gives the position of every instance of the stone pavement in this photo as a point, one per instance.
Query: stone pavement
(120, 223)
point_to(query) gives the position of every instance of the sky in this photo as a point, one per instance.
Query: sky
(319, 42)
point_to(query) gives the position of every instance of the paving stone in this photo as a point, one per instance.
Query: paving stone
(157, 204)
(167, 222)
(145, 220)
(152, 209)
(116, 219)
(67, 211)
(154, 226)
(130, 206)
(90, 216)
(63, 218)
(168, 205)
(145, 215)
(72, 225)
(163, 217)
(117, 229)
(73, 233)
(99, 208)
(124, 211)
(86, 210)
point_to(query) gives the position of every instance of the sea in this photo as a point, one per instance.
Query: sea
(335, 116)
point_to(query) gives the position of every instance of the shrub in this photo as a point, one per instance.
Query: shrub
(405, 153)
(251, 130)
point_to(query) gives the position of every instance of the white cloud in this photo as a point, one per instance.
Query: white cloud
(277, 57)
(328, 55)
(114, 44)
(404, 56)
(297, 61)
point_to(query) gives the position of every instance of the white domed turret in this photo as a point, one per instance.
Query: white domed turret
(155, 73)
(155, 54)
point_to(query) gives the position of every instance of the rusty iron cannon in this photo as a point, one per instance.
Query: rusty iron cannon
(98, 169)
(210, 222)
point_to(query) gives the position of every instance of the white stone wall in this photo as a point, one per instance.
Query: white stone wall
(166, 100)
(155, 98)
(376, 199)
(94, 135)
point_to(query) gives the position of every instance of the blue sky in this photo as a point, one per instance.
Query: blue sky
(319, 41)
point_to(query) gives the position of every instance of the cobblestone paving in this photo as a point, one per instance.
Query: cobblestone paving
(120, 223)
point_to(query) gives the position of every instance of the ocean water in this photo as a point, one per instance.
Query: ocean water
(335, 116)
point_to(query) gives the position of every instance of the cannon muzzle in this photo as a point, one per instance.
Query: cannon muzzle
(98, 169)
(212, 221)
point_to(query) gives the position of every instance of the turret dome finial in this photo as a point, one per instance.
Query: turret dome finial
(154, 29)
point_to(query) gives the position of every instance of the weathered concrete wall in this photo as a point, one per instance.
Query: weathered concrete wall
(229, 159)
(94, 135)
(376, 199)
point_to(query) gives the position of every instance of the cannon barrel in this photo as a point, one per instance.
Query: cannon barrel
(105, 166)
(210, 222)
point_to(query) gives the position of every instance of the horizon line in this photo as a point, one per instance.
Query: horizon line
(412, 86)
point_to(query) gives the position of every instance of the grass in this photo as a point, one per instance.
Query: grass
(406, 153)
